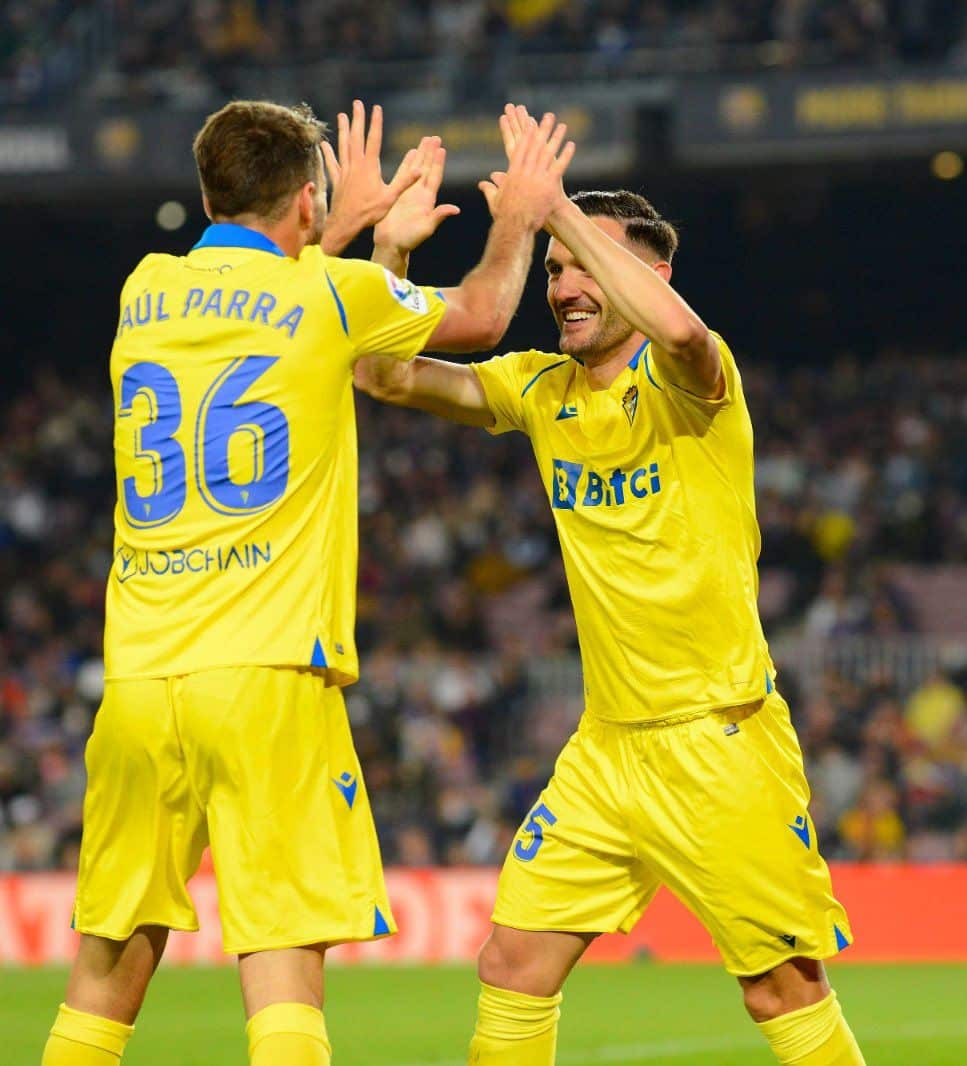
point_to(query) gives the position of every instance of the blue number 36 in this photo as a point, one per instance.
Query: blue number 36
(526, 852)
(220, 417)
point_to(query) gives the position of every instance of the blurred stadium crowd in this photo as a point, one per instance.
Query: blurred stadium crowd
(187, 50)
(462, 594)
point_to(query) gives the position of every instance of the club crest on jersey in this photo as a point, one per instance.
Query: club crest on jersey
(630, 403)
(406, 294)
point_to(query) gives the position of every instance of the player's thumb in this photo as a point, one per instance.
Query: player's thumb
(407, 174)
(489, 191)
(444, 211)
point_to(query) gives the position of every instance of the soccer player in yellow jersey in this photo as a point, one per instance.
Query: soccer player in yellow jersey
(685, 769)
(230, 603)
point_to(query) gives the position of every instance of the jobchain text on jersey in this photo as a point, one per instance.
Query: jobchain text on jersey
(174, 562)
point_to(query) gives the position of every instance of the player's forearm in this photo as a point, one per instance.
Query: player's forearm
(639, 295)
(447, 389)
(491, 292)
(338, 233)
(395, 260)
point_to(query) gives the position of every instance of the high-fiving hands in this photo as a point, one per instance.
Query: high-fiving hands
(416, 215)
(359, 196)
(532, 186)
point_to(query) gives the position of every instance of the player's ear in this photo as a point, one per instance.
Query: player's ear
(663, 269)
(307, 205)
(207, 207)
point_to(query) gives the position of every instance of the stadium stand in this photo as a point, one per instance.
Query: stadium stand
(189, 51)
(469, 681)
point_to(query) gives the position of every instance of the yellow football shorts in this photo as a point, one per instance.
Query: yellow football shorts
(713, 807)
(259, 763)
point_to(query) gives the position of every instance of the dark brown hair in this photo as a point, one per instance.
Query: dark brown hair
(642, 222)
(253, 156)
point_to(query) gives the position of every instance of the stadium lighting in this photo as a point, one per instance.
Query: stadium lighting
(171, 215)
(947, 166)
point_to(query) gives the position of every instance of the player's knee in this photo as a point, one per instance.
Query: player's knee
(792, 985)
(503, 964)
(763, 1001)
(495, 966)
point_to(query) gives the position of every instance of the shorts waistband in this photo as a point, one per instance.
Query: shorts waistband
(735, 714)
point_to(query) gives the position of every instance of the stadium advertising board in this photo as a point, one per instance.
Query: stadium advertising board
(781, 116)
(898, 913)
(153, 148)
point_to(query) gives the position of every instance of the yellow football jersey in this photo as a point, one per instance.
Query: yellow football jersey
(652, 493)
(235, 448)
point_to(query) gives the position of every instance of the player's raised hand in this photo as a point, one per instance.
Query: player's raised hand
(512, 125)
(532, 186)
(416, 215)
(359, 196)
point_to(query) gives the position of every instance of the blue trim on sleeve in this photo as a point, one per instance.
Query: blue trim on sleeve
(441, 296)
(538, 374)
(636, 358)
(318, 655)
(339, 305)
(648, 370)
(769, 685)
(231, 235)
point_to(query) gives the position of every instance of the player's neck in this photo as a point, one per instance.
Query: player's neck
(283, 234)
(602, 368)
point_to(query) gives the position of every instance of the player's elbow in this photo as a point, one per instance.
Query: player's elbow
(688, 339)
(484, 331)
(371, 377)
(493, 330)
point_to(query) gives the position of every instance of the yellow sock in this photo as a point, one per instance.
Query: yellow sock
(514, 1029)
(79, 1039)
(288, 1034)
(814, 1036)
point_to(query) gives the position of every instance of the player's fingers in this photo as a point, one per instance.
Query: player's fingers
(407, 174)
(489, 191)
(374, 140)
(563, 161)
(498, 177)
(522, 117)
(332, 164)
(529, 145)
(434, 172)
(556, 139)
(507, 135)
(509, 129)
(518, 115)
(342, 125)
(546, 125)
(429, 147)
(444, 211)
(357, 129)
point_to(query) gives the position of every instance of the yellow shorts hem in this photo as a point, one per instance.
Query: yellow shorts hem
(567, 927)
(303, 942)
(818, 956)
(86, 930)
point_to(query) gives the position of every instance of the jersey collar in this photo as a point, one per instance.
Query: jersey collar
(232, 235)
(636, 358)
(632, 362)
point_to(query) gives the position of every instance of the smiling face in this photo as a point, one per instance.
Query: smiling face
(590, 328)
